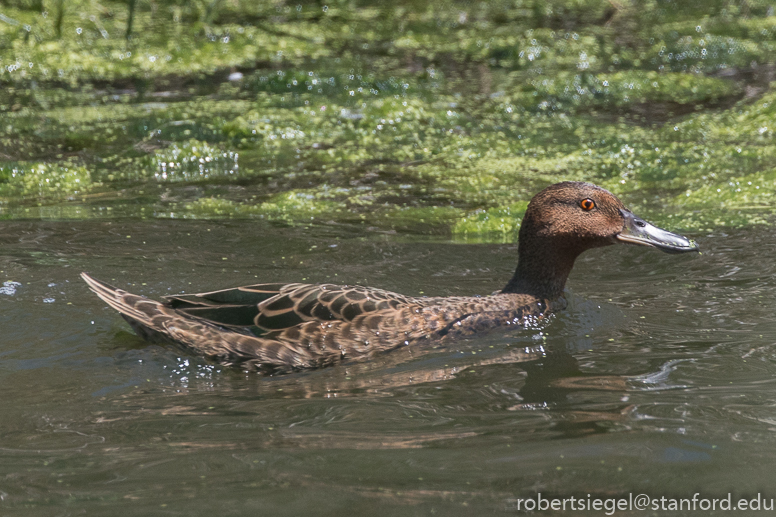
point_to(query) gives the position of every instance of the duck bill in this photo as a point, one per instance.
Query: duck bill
(638, 231)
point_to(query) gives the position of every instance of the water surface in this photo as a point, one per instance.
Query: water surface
(658, 378)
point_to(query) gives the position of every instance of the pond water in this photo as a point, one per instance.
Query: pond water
(174, 146)
(658, 378)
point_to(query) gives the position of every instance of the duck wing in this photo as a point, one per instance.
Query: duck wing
(276, 307)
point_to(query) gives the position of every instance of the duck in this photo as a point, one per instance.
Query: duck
(286, 327)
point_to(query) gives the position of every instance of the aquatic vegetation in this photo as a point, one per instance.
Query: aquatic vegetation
(288, 207)
(493, 224)
(431, 116)
(625, 89)
(194, 161)
(44, 181)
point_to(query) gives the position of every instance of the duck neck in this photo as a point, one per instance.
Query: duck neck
(542, 269)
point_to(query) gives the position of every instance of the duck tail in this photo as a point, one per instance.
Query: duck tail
(159, 323)
(140, 312)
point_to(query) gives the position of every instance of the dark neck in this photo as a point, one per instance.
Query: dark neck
(542, 268)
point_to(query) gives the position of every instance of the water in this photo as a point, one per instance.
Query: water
(657, 379)
(390, 141)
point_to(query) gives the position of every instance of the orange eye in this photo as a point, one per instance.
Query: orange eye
(587, 204)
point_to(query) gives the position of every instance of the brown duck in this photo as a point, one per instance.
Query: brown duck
(285, 327)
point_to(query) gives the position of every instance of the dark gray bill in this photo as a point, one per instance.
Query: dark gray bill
(638, 231)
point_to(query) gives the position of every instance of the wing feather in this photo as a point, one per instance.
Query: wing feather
(275, 307)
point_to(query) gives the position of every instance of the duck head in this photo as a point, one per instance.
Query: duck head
(568, 218)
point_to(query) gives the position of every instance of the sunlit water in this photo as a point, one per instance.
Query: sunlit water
(658, 378)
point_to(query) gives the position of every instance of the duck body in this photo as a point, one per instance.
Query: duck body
(286, 327)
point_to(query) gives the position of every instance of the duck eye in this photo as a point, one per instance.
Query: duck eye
(587, 204)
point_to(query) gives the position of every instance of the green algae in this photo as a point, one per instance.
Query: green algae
(499, 224)
(288, 207)
(44, 181)
(412, 117)
(308, 207)
(193, 160)
(627, 88)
